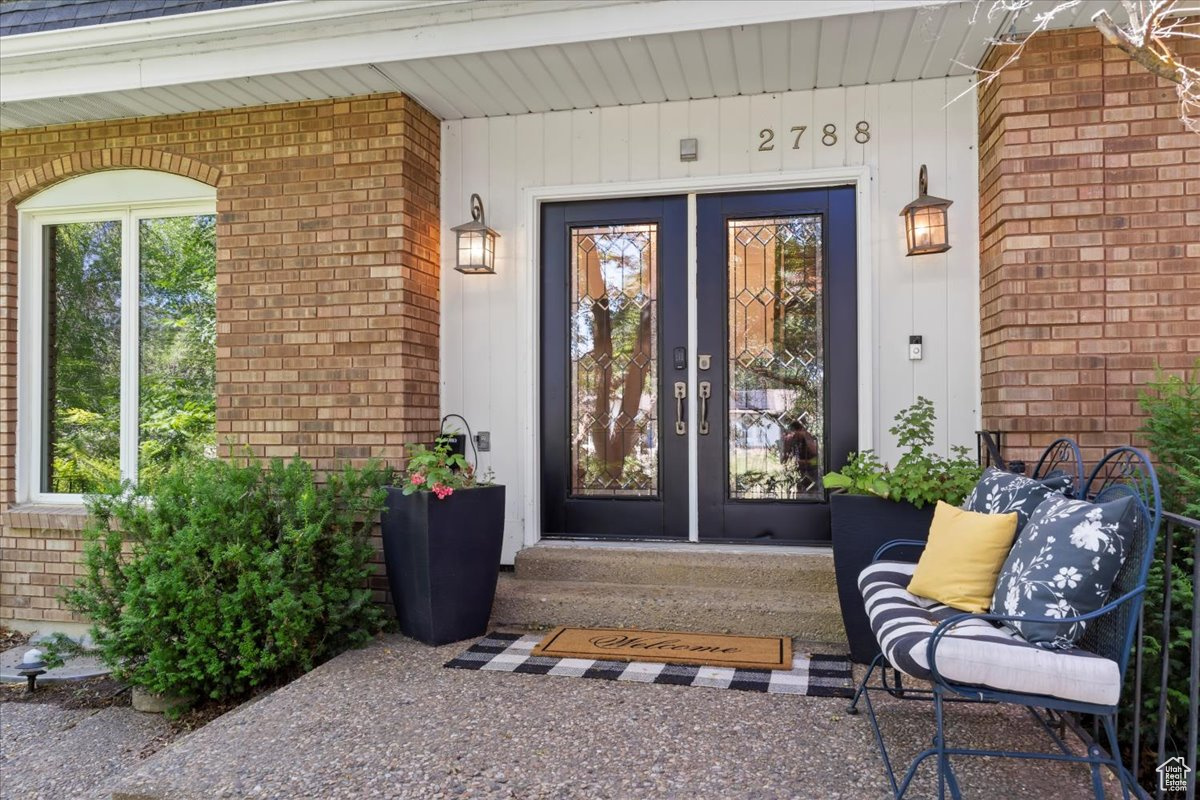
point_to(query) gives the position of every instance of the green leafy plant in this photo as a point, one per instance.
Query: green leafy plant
(439, 470)
(920, 477)
(1172, 431)
(57, 648)
(226, 576)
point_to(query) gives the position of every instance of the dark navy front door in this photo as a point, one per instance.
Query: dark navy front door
(774, 372)
(777, 304)
(614, 313)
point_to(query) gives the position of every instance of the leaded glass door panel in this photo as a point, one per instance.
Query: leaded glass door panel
(614, 311)
(775, 277)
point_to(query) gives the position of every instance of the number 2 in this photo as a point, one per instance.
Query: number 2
(767, 135)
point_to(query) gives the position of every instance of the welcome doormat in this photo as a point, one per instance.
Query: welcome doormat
(669, 647)
(813, 675)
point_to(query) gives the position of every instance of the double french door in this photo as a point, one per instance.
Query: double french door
(757, 410)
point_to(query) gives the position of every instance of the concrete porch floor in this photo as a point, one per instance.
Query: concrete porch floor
(388, 721)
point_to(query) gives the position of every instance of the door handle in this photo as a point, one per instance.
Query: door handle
(680, 396)
(705, 393)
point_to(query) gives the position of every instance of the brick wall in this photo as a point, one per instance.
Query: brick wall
(40, 552)
(1090, 237)
(327, 270)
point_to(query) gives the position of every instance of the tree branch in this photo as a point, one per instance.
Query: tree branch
(1152, 61)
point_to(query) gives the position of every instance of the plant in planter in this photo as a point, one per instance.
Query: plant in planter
(443, 529)
(878, 504)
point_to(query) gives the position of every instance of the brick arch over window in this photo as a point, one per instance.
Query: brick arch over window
(41, 177)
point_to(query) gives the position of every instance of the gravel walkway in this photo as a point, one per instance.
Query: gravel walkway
(56, 753)
(389, 722)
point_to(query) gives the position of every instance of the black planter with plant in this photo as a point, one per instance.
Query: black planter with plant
(877, 504)
(442, 534)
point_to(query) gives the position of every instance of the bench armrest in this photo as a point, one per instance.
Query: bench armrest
(895, 544)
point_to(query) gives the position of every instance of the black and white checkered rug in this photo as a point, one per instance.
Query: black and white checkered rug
(813, 675)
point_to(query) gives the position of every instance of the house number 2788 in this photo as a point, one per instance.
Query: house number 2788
(829, 135)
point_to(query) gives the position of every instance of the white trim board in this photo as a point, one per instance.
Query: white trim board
(693, 378)
(297, 36)
(529, 348)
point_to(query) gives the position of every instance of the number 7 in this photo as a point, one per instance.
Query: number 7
(799, 131)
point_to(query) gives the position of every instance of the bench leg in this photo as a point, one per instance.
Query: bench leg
(946, 777)
(1114, 749)
(862, 686)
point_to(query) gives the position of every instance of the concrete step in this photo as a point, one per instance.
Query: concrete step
(806, 570)
(809, 615)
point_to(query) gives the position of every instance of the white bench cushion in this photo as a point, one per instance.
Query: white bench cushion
(976, 652)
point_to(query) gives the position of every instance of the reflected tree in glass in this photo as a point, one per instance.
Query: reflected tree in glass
(178, 339)
(82, 389)
(614, 332)
(176, 354)
(776, 358)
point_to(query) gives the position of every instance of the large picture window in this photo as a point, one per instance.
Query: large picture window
(118, 343)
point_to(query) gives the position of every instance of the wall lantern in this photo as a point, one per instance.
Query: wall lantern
(476, 243)
(925, 221)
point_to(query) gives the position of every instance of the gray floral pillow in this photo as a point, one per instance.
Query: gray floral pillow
(1060, 481)
(1063, 564)
(1003, 492)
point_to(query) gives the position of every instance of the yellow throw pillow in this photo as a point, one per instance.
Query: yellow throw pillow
(962, 561)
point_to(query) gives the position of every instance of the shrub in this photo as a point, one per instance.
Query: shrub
(223, 577)
(1172, 431)
(919, 477)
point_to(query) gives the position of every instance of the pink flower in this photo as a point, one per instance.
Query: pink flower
(418, 479)
(442, 491)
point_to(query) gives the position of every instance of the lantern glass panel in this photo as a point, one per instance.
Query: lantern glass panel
(476, 251)
(926, 229)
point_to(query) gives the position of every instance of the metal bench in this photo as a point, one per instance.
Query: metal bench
(974, 658)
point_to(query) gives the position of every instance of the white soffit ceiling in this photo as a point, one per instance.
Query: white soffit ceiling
(895, 44)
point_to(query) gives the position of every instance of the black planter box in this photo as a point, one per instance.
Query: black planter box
(443, 558)
(860, 525)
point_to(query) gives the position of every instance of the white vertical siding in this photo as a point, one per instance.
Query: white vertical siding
(488, 377)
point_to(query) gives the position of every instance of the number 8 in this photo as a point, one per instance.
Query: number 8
(862, 132)
(829, 137)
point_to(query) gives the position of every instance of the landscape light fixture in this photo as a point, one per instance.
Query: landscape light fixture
(33, 663)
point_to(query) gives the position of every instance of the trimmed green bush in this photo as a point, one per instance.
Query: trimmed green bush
(1172, 431)
(224, 577)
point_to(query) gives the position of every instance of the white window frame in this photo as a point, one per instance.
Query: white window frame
(157, 195)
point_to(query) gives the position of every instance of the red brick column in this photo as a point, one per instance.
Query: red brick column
(1090, 237)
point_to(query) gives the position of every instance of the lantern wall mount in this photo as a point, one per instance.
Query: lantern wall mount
(476, 243)
(926, 225)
